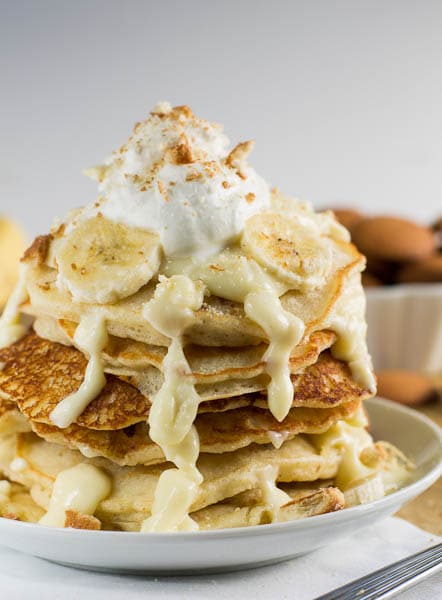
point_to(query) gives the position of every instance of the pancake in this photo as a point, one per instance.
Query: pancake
(248, 509)
(230, 495)
(149, 381)
(207, 365)
(325, 383)
(37, 374)
(218, 433)
(243, 510)
(219, 322)
(133, 487)
(18, 504)
(11, 419)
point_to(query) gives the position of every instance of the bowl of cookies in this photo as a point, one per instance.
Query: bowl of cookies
(403, 284)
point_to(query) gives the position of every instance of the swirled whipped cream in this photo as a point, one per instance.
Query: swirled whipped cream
(176, 176)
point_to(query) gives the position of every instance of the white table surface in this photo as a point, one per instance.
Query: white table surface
(23, 577)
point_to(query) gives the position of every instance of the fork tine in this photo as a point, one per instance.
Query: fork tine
(389, 580)
(406, 565)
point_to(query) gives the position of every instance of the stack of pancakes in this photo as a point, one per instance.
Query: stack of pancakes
(241, 455)
(239, 437)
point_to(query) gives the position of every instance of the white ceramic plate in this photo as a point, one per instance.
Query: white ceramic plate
(234, 549)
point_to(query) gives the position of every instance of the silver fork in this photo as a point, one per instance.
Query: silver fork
(392, 579)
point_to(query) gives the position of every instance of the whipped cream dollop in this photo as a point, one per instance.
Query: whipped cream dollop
(176, 176)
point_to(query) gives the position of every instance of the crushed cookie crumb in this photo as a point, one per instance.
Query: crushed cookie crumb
(250, 197)
(163, 191)
(59, 231)
(134, 177)
(161, 109)
(77, 520)
(39, 249)
(239, 154)
(83, 271)
(216, 268)
(194, 176)
(181, 154)
(74, 266)
(183, 110)
(97, 173)
(211, 168)
(226, 185)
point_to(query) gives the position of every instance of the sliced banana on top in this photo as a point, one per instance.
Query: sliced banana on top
(100, 261)
(325, 221)
(290, 247)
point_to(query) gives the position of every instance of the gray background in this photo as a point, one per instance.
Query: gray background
(343, 97)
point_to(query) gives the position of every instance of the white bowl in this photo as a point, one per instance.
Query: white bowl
(234, 549)
(405, 327)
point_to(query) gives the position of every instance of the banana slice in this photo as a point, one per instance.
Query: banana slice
(292, 248)
(100, 261)
(364, 491)
(12, 245)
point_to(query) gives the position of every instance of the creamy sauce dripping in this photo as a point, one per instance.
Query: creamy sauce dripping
(351, 438)
(87, 452)
(81, 489)
(18, 465)
(174, 407)
(272, 496)
(277, 438)
(11, 328)
(347, 319)
(284, 331)
(91, 337)
(235, 277)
